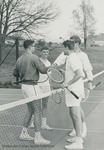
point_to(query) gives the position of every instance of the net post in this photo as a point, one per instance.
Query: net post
(17, 54)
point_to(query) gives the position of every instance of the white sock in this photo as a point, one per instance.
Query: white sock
(79, 139)
(84, 126)
(24, 130)
(37, 134)
(44, 120)
(32, 123)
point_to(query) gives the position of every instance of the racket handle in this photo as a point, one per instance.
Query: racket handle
(98, 84)
(24, 81)
(76, 96)
(17, 82)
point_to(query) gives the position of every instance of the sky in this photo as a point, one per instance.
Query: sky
(61, 27)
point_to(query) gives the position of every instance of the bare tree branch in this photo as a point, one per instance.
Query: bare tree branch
(84, 19)
(25, 16)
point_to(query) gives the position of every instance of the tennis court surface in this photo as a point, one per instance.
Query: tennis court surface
(11, 122)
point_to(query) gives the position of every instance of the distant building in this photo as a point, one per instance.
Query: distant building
(98, 43)
(96, 40)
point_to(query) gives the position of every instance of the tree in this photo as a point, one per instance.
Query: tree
(40, 43)
(0, 23)
(0, 44)
(85, 20)
(24, 16)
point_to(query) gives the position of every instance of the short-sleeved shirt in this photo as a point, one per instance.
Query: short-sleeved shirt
(73, 63)
(87, 67)
(43, 77)
(60, 59)
(85, 61)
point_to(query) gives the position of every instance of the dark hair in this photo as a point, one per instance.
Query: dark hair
(44, 48)
(76, 39)
(27, 43)
(69, 44)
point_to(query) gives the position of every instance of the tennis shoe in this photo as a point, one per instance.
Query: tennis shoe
(47, 127)
(72, 140)
(84, 131)
(73, 133)
(32, 125)
(84, 134)
(74, 146)
(25, 137)
(41, 141)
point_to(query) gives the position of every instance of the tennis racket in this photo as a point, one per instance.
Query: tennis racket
(87, 91)
(55, 79)
(55, 76)
(57, 98)
(35, 82)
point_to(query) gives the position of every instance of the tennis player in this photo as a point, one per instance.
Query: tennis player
(27, 69)
(45, 87)
(87, 68)
(73, 81)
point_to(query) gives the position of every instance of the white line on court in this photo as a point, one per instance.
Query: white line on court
(10, 94)
(60, 129)
(94, 102)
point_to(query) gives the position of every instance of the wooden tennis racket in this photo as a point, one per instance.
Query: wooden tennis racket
(55, 76)
(87, 91)
(35, 82)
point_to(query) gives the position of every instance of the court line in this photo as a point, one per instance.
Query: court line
(60, 129)
(10, 94)
(24, 101)
(94, 102)
(11, 98)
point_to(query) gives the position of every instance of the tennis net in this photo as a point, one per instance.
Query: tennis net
(12, 116)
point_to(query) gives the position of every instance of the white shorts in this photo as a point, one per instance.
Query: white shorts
(30, 90)
(71, 100)
(45, 87)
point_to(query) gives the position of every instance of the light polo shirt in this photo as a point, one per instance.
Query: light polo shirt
(43, 77)
(73, 63)
(60, 59)
(87, 67)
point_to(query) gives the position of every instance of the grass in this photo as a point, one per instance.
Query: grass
(96, 56)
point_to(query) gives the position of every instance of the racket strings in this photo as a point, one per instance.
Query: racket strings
(55, 75)
(57, 98)
(87, 93)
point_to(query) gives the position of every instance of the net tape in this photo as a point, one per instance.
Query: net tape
(30, 99)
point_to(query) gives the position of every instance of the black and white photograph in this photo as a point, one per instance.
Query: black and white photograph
(51, 74)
